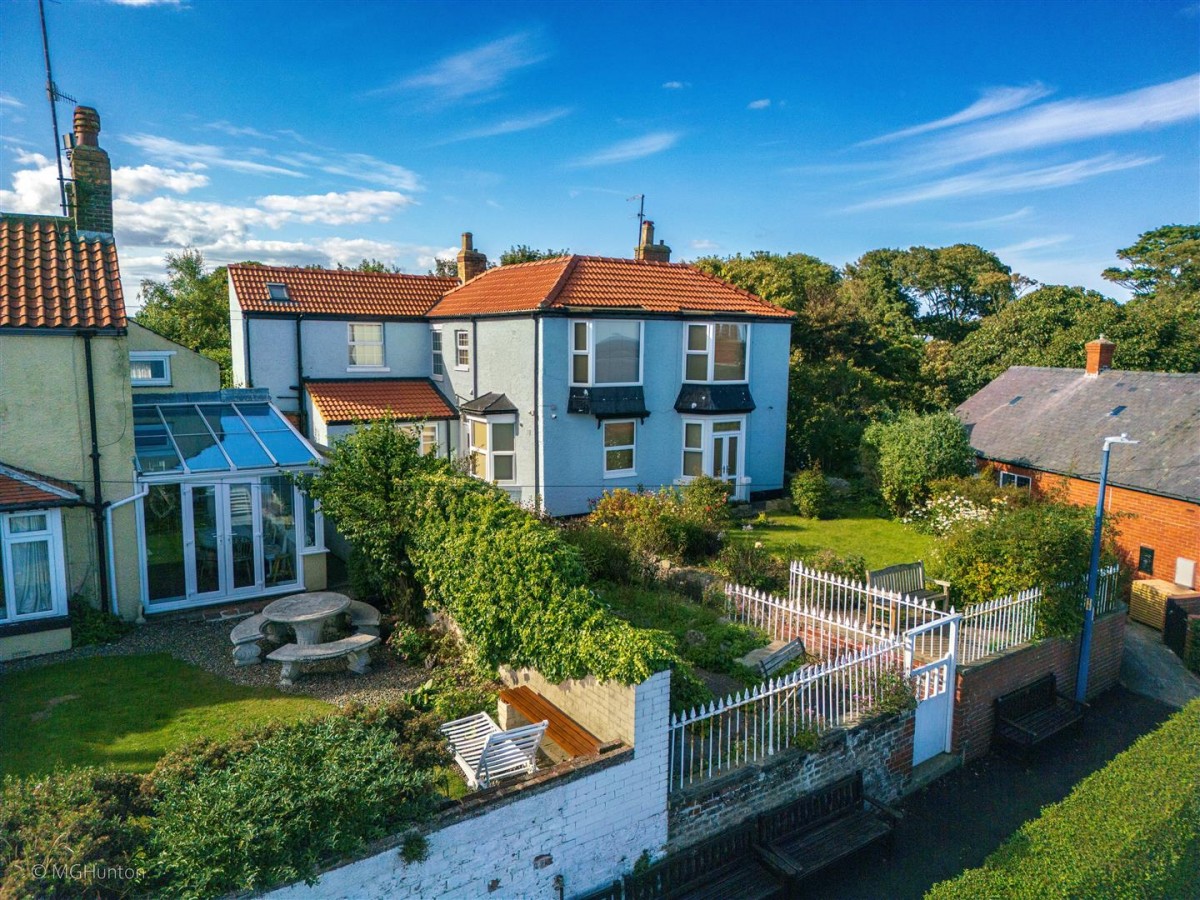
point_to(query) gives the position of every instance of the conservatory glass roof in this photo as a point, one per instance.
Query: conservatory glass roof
(175, 433)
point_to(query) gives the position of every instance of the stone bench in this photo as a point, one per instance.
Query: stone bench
(354, 648)
(245, 637)
(364, 618)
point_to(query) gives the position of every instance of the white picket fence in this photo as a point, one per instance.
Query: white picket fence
(764, 720)
(825, 635)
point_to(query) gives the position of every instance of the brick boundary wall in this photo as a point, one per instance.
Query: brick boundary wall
(883, 749)
(606, 709)
(980, 683)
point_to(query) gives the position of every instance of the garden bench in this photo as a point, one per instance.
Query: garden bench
(1034, 713)
(354, 648)
(769, 665)
(364, 618)
(486, 754)
(245, 637)
(721, 867)
(822, 827)
(909, 580)
(571, 737)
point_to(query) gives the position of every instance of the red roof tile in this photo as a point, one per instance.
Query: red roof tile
(591, 282)
(337, 292)
(21, 488)
(369, 399)
(53, 277)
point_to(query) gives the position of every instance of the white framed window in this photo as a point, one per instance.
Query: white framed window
(365, 341)
(714, 447)
(462, 350)
(439, 364)
(716, 351)
(693, 449)
(606, 352)
(277, 291)
(427, 434)
(491, 447)
(1012, 479)
(32, 574)
(620, 448)
(150, 368)
(314, 528)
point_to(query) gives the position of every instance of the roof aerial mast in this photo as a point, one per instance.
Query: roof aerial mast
(641, 198)
(53, 94)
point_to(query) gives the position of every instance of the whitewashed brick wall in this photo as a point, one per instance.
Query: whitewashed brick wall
(592, 826)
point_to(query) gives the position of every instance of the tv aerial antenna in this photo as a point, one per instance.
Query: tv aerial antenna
(54, 95)
(641, 215)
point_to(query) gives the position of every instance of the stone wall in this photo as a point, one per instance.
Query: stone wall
(883, 749)
(587, 821)
(606, 709)
(982, 682)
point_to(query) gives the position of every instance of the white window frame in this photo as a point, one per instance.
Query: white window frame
(590, 352)
(490, 454)
(706, 446)
(437, 361)
(51, 535)
(462, 349)
(351, 343)
(313, 542)
(605, 449)
(163, 356)
(710, 352)
(428, 434)
(1013, 479)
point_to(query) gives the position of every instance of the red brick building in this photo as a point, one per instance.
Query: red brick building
(1044, 428)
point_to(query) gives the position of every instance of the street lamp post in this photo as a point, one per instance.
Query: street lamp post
(1089, 609)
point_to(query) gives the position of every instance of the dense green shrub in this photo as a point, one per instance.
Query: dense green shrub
(274, 805)
(93, 625)
(409, 643)
(810, 493)
(604, 554)
(1192, 660)
(1130, 830)
(907, 455)
(681, 524)
(849, 566)
(458, 685)
(84, 818)
(752, 565)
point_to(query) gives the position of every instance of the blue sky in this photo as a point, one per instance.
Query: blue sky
(1050, 133)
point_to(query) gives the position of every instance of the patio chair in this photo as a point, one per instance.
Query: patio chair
(486, 754)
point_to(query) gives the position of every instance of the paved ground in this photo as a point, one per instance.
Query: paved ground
(956, 822)
(1149, 667)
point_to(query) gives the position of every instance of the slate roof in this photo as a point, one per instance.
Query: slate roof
(54, 277)
(22, 489)
(370, 399)
(489, 404)
(1055, 420)
(592, 282)
(334, 292)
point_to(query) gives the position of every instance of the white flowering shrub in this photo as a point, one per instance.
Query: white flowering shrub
(940, 515)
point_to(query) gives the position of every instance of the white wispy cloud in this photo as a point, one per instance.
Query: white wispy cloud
(627, 151)
(146, 2)
(1037, 243)
(704, 244)
(1007, 180)
(137, 181)
(676, 85)
(994, 101)
(759, 104)
(334, 208)
(238, 130)
(372, 170)
(993, 221)
(169, 150)
(9, 100)
(509, 126)
(476, 71)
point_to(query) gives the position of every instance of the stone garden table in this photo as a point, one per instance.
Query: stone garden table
(306, 613)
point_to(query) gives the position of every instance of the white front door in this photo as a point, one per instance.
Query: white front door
(726, 450)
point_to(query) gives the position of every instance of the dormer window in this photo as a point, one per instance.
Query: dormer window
(277, 291)
(606, 352)
(715, 351)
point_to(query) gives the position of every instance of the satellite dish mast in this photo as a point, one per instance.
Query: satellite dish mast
(53, 94)
(641, 216)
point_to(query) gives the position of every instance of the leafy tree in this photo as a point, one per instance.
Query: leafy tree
(372, 265)
(1159, 333)
(955, 286)
(444, 268)
(1167, 257)
(191, 307)
(522, 253)
(907, 455)
(784, 280)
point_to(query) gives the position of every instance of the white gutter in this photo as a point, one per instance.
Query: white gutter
(112, 568)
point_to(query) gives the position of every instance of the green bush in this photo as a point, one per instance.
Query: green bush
(1130, 830)
(907, 455)
(752, 565)
(850, 566)
(1192, 660)
(92, 625)
(605, 556)
(681, 524)
(810, 493)
(410, 644)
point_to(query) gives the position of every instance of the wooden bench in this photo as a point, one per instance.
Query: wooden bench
(571, 737)
(486, 754)
(908, 580)
(721, 867)
(821, 828)
(769, 665)
(1034, 713)
(364, 618)
(354, 648)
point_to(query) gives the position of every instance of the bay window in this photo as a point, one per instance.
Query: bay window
(619, 448)
(366, 345)
(606, 352)
(715, 351)
(491, 448)
(32, 577)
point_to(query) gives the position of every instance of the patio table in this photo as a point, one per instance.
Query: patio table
(306, 613)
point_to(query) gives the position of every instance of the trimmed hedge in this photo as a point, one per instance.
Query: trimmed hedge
(1130, 830)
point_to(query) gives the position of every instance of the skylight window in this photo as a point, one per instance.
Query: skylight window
(1015, 400)
(1117, 410)
(277, 291)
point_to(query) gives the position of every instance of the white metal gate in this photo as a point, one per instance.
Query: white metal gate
(934, 683)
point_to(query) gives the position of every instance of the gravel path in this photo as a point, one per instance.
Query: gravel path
(207, 645)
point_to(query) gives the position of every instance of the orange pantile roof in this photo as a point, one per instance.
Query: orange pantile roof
(369, 399)
(592, 282)
(337, 292)
(20, 488)
(51, 276)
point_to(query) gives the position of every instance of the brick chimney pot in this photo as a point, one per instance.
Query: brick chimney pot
(90, 190)
(471, 263)
(647, 249)
(1099, 355)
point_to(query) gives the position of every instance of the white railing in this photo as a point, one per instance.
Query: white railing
(844, 598)
(825, 636)
(764, 720)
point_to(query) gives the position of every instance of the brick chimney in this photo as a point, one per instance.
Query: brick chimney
(1099, 355)
(649, 250)
(90, 191)
(470, 261)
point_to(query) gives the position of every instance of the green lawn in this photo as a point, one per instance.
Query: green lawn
(882, 542)
(126, 712)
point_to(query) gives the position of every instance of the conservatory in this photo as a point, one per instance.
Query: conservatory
(219, 514)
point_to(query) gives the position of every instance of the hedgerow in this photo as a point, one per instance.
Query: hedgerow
(1130, 830)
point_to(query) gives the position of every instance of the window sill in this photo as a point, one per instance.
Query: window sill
(625, 473)
(368, 369)
(462, 368)
(133, 383)
(32, 625)
(313, 551)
